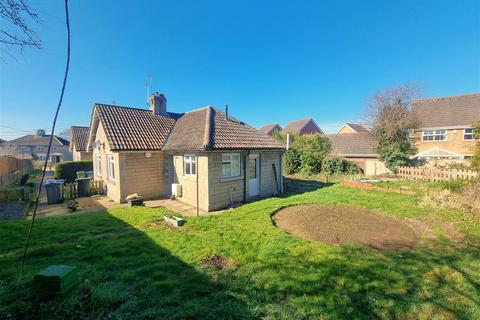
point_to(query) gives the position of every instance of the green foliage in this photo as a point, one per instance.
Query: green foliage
(68, 169)
(395, 150)
(332, 165)
(454, 185)
(134, 267)
(476, 153)
(293, 162)
(313, 149)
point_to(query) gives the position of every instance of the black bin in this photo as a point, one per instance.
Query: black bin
(83, 187)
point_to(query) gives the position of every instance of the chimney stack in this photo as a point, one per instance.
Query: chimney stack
(158, 104)
(40, 132)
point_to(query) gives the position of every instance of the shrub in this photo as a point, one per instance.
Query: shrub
(313, 150)
(333, 165)
(293, 162)
(68, 169)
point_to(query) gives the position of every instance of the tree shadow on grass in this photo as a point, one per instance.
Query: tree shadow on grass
(123, 273)
(299, 186)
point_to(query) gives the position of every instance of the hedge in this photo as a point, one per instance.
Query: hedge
(68, 169)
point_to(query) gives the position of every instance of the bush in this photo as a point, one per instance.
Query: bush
(313, 150)
(68, 169)
(335, 165)
(293, 162)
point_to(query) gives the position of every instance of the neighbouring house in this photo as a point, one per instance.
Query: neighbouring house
(358, 147)
(36, 145)
(446, 132)
(78, 143)
(204, 157)
(303, 127)
(270, 129)
(351, 128)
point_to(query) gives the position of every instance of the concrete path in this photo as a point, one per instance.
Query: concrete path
(179, 207)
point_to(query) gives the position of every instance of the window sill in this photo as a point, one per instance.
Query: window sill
(231, 179)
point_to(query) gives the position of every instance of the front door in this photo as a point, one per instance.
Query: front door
(253, 175)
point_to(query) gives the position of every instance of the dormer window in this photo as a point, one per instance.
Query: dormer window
(434, 135)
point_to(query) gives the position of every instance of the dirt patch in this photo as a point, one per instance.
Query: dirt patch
(217, 262)
(343, 224)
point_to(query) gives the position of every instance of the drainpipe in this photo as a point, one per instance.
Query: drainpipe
(196, 171)
(245, 177)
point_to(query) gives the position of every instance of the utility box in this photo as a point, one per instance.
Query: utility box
(55, 279)
(176, 190)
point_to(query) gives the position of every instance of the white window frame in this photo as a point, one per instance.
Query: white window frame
(99, 165)
(434, 133)
(191, 160)
(111, 167)
(228, 158)
(471, 133)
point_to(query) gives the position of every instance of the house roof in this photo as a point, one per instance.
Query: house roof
(79, 138)
(270, 128)
(37, 140)
(356, 127)
(131, 128)
(202, 129)
(448, 111)
(296, 126)
(209, 129)
(361, 144)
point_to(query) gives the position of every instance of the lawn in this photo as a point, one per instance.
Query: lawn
(132, 266)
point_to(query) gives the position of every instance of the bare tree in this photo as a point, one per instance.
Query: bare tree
(65, 133)
(392, 121)
(16, 17)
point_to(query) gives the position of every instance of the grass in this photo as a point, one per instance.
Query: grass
(131, 267)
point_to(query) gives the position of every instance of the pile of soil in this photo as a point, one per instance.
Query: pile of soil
(343, 224)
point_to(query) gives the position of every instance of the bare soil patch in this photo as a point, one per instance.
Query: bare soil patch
(217, 262)
(344, 224)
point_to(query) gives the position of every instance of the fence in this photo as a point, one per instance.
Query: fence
(70, 190)
(434, 174)
(12, 170)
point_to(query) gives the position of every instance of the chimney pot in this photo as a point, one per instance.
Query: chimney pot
(226, 112)
(158, 104)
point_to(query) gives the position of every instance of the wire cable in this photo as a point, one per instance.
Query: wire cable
(51, 139)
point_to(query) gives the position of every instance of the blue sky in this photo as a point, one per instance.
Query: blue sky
(268, 60)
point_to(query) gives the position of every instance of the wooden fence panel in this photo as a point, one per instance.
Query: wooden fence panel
(434, 174)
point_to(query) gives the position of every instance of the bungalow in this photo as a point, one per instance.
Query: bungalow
(446, 132)
(205, 157)
(270, 129)
(303, 127)
(78, 143)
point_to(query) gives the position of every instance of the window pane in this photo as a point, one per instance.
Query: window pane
(226, 169)
(187, 167)
(193, 166)
(236, 167)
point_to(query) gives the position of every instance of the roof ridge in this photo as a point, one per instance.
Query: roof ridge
(447, 97)
(207, 141)
(97, 104)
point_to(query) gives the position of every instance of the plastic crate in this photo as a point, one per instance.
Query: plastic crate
(56, 279)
